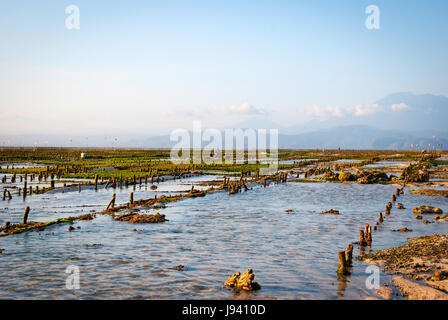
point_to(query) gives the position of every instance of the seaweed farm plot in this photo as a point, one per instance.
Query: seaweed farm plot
(66, 202)
(210, 237)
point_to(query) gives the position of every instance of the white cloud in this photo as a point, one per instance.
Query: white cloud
(360, 110)
(399, 106)
(327, 112)
(243, 109)
(367, 109)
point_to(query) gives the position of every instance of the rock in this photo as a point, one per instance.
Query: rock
(180, 267)
(441, 218)
(133, 217)
(330, 176)
(243, 281)
(403, 230)
(427, 210)
(289, 211)
(439, 276)
(345, 176)
(331, 211)
(426, 222)
(400, 206)
(87, 216)
(371, 176)
(416, 173)
(419, 217)
(70, 228)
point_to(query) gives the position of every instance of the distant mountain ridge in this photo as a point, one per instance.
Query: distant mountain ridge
(345, 137)
(400, 121)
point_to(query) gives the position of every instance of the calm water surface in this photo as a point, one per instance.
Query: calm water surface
(294, 256)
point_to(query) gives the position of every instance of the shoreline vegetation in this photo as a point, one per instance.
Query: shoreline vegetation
(107, 168)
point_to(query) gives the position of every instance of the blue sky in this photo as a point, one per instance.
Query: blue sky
(150, 66)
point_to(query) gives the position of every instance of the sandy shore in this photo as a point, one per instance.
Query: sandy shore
(421, 267)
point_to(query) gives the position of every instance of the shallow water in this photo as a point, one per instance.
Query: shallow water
(389, 163)
(21, 165)
(294, 256)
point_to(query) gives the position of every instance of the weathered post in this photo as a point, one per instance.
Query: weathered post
(349, 255)
(131, 198)
(25, 215)
(380, 217)
(112, 202)
(342, 266)
(368, 234)
(96, 182)
(362, 239)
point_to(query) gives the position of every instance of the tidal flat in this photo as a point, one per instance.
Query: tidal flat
(103, 214)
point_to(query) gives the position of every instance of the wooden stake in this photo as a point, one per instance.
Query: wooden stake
(368, 233)
(342, 267)
(349, 255)
(112, 202)
(362, 239)
(25, 215)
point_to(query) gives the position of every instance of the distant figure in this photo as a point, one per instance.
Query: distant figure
(83, 155)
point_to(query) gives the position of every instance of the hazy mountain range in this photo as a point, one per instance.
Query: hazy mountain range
(397, 121)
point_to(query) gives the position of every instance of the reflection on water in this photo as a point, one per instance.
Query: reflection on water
(294, 256)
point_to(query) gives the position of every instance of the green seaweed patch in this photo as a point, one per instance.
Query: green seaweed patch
(10, 229)
(430, 192)
(133, 217)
